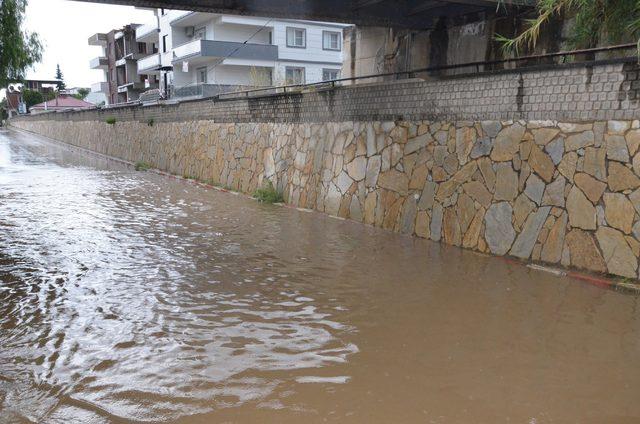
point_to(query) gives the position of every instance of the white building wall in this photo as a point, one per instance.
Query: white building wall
(313, 58)
(234, 32)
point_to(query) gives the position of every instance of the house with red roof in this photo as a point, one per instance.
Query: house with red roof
(60, 103)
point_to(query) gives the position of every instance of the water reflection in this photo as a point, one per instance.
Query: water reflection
(126, 296)
(140, 300)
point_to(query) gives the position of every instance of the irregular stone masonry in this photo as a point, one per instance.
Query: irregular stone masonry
(556, 192)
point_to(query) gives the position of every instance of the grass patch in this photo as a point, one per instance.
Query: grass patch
(110, 120)
(268, 194)
(142, 166)
(150, 122)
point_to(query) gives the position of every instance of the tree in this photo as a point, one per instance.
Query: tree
(3, 110)
(60, 77)
(82, 93)
(32, 97)
(18, 49)
(594, 21)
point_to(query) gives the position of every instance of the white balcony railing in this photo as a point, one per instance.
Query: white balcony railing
(98, 39)
(149, 63)
(192, 48)
(100, 87)
(99, 63)
(215, 48)
(130, 86)
(147, 33)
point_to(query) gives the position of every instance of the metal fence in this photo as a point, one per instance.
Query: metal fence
(582, 56)
(610, 54)
(204, 90)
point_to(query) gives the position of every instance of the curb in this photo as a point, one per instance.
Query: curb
(602, 281)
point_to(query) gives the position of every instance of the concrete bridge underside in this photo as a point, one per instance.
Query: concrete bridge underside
(419, 14)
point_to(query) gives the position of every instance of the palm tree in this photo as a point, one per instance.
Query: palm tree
(594, 21)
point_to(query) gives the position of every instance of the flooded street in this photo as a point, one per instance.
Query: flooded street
(131, 297)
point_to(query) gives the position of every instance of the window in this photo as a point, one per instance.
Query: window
(162, 11)
(294, 75)
(330, 74)
(201, 74)
(200, 34)
(164, 43)
(331, 40)
(296, 37)
(142, 48)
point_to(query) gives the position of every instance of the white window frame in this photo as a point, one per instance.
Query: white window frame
(293, 69)
(337, 71)
(199, 74)
(165, 43)
(326, 40)
(291, 39)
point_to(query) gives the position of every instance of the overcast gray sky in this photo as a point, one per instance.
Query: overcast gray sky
(64, 27)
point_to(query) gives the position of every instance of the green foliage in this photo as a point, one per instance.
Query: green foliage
(32, 97)
(82, 93)
(59, 76)
(142, 166)
(609, 21)
(268, 194)
(18, 49)
(3, 110)
(150, 122)
(110, 120)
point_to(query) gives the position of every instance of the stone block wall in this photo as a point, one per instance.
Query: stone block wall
(557, 192)
(541, 164)
(565, 94)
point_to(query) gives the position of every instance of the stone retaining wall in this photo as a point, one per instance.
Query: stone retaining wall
(555, 192)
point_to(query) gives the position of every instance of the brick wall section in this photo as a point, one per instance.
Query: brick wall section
(571, 93)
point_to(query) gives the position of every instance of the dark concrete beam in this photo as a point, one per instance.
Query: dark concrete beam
(393, 13)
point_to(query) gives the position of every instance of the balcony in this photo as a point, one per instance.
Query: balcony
(149, 64)
(211, 48)
(147, 33)
(204, 90)
(129, 56)
(186, 19)
(98, 39)
(100, 87)
(99, 63)
(130, 86)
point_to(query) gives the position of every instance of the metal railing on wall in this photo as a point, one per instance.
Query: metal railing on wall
(521, 63)
(480, 67)
(204, 90)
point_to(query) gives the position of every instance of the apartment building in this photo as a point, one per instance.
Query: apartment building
(203, 54)
(123, 81)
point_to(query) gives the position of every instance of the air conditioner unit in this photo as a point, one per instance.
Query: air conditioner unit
(189, 31)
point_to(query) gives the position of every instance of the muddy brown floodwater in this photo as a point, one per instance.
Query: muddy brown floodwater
(130, 297)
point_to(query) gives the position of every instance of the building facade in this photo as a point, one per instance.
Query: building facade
(203, 54)
(123, 82)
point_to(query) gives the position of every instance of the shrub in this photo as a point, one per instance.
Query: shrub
(111, 120)
(268, 194)
(150, 122)
(142, 166)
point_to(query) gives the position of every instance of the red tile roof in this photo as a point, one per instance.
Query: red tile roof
(63, 101)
